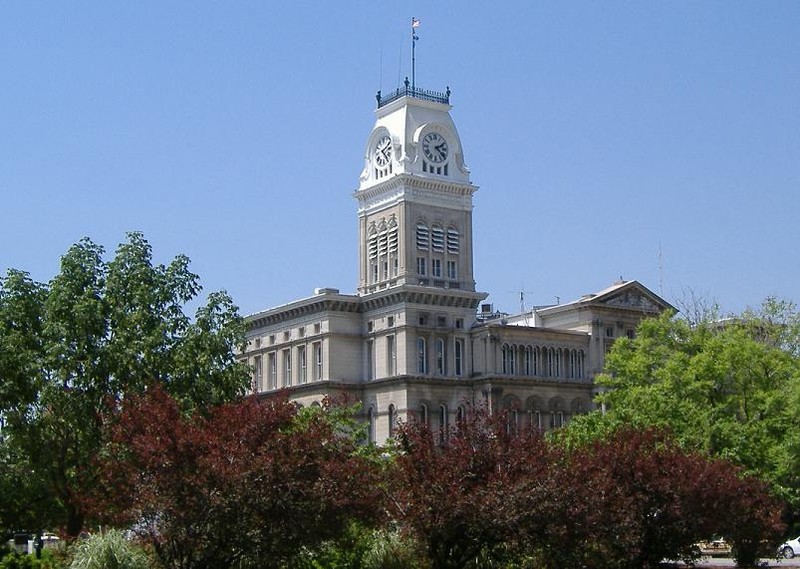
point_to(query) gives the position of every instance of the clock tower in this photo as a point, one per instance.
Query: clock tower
(415, 197)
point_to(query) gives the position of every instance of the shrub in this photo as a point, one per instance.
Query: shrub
(109, 550)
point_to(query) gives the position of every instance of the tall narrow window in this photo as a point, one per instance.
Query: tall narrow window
(527, 362)
(422, 356)
(370, 360)
(437, 239)
(257, 378)
(441, 367)
(391, 356)
(459, 356)
(272, 370)
(301, 362)
(436, 267)
(423, 414)
(453, 244)
(393, 246)
(422, 266)
(317, 346)
(287, 368)
(423, 237)
(509, 367)
(558, 362)
(451, 270)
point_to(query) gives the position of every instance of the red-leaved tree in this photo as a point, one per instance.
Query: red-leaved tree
(636, 499)
(631, 500)
(455, 496)
(249, 484)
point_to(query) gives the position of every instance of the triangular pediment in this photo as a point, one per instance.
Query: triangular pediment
(631, 295)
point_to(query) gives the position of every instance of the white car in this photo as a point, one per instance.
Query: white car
(790, 548)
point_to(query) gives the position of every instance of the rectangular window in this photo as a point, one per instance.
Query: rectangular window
(257, 386)
(391, 356)
(422, 266)
(272, 370)
(301, 362)
(436, 267)
(441, 367)
(370, 360)
(317, 361)
(451, 270)
(287, 368)
(422, 356)
(459, 356)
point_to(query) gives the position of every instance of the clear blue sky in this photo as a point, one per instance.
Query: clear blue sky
(600, 133)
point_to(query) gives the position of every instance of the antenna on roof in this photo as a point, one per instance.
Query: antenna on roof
(522, 292)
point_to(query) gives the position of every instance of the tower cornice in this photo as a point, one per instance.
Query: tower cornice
(434, 191)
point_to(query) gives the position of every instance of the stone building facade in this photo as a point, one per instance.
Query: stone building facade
(415, 340)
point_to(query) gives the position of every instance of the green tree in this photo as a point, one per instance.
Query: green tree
(728, 387)
(72, 349)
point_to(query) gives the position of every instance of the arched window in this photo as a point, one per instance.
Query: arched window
(505, 353)
(423, 414)
(558, 362)
(423, 237)
(393, 242)
(453, 244)
(461, 415)
(527, 369)
(513, 421)
(437, 239)
(441, 367)
(422, 356)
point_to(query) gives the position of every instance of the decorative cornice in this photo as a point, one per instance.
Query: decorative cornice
(305, 307)
(428, 296)
(431, 190)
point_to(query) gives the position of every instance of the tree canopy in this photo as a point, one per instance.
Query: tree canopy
(73, 348)
(727, 387)
(249, 484)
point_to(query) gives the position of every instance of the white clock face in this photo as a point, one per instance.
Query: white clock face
(383, 151)
(435, 147)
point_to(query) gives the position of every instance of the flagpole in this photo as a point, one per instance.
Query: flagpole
(414, 38)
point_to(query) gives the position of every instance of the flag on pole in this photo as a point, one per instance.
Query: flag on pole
(414, 23)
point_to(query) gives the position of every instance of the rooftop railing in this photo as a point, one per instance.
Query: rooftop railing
(408, 91)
